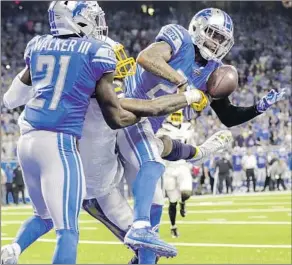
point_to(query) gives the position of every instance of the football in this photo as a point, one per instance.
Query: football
(222, 82)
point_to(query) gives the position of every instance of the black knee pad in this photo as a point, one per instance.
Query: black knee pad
(185, 195)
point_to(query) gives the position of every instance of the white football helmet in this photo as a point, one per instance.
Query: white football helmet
(84, 18)
(211, 30)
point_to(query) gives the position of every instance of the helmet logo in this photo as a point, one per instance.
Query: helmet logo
(78, 8)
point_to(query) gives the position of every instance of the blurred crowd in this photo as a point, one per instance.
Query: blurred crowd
(261, 54)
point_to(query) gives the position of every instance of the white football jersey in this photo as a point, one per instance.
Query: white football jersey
(98, 153)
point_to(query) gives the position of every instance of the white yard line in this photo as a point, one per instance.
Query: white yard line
(239, 211)
(208, 222)
(234, 203)
(92, 242)
(257, 217)
(253, 195)
(276, 195)
(230, 223)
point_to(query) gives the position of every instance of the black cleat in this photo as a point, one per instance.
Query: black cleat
(134, 260)
(182, 209)
(174, 232)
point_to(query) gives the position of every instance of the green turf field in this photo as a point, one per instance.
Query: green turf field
(227, 229)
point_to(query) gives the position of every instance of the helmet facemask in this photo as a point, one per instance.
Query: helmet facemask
(213, 37)
(176, 118)
(126, 66)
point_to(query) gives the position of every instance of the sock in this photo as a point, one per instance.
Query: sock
(66, 248)
(31, 230)
(185, 195)
(181, 151)
(147, 256)
(172, 212)
(155, 215)
(144, 188)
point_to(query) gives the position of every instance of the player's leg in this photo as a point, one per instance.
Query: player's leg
(171, 188)
(112, 210)
(40, 223)
(63, 188)
(138, 146)
(174, 196)
(175, 150)
(146, 256)
(185, 182)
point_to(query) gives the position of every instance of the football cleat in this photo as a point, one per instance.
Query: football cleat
(182, 209)
(9, 254)
(134, 260)
(216, 143)
(174, 232)
(147, 238)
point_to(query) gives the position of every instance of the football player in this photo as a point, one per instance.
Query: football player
(184, 58)
(177, 178)
(102, 166)
(62, 72)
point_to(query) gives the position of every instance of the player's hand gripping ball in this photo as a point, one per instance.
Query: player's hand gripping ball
(222, 82)
(202, 104)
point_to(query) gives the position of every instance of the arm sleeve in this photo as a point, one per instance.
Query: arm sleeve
(103, 61)
(173, 35)
(18, 93)
(231, 115)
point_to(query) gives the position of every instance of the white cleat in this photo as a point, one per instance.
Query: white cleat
(219, 141)
(10, 254)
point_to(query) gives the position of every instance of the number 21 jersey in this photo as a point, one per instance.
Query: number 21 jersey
(64, 72)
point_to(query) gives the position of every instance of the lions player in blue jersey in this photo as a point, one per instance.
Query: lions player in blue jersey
(64, 69)
(182, 59)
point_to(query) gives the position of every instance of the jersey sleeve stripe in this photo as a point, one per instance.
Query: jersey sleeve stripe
(177, 30)
(104, 61)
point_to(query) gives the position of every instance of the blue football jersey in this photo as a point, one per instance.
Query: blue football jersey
(261, 161)
(145, 85)
(64, 72)
(236, 162)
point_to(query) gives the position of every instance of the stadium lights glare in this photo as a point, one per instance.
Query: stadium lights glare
(151, 11)
(144, 8)
(7, 66)
(20, 7)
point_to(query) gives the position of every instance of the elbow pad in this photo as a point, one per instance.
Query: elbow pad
(18, 93)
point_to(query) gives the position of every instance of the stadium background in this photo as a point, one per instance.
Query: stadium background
(262, 56)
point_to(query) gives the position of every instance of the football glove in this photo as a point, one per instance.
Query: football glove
(199, 106)
(271, 98)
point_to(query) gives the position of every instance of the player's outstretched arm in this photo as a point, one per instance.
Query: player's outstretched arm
(154, 60)
(161, 105)
(231, 115)
(115, 116)
(20, 90)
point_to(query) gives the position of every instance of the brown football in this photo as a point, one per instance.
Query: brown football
(222, 82)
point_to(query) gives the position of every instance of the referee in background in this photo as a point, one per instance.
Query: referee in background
(249, 164)
(224, 167)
